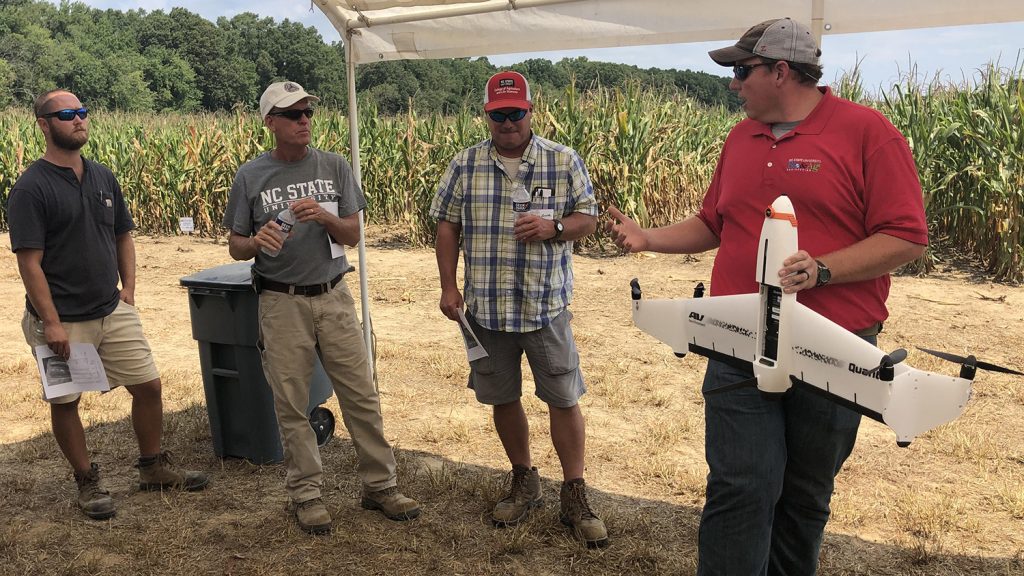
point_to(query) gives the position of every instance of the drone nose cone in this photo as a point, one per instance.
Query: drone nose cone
(782, 205)
(781, 209)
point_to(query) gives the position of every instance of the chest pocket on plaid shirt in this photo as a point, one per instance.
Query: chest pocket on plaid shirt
(548, 198)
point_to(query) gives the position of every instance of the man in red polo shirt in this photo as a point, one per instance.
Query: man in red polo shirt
(853, 183)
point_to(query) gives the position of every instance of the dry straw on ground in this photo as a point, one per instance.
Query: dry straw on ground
(952, 503)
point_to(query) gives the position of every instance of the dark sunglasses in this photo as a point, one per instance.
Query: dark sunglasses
(293, 114)
(500, 117)
(67, 114)
(742, 71)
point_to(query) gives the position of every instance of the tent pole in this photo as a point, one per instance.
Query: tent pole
(353, 130)
(817, 20)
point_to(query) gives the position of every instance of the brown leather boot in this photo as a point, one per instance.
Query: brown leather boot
(160, 473)
(94, 501)
(312, 516)
(576, 514)
(391, 503)
(523, 497)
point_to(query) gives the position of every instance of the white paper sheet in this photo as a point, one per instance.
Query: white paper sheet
(337, 250)
(82, 371)
(474, 350)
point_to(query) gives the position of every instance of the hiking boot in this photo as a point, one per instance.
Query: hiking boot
(576, 514)
(524, 496)
(312, 516)
(391, 503)
(94, 501)
(159, 473)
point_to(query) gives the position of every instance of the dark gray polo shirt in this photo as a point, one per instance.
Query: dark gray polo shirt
(75, 225)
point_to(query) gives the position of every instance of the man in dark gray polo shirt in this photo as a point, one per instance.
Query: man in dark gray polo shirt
(71, 232)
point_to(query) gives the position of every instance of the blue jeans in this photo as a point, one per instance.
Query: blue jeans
(772, 469)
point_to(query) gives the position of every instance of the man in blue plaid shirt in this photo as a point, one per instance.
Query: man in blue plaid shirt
(518, 286)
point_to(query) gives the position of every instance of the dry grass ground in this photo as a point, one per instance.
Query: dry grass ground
(952, 503)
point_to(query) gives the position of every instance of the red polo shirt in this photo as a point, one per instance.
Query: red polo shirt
(849, 174)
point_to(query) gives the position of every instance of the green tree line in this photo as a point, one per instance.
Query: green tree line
(155, 61)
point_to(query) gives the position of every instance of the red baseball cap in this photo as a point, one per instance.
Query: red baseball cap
(507, 90)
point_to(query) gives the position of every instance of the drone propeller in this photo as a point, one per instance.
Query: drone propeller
(970, 360)
(885, 367)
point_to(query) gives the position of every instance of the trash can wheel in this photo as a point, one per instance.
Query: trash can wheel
(322, 422)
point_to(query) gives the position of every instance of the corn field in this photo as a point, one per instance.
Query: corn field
(651, 155)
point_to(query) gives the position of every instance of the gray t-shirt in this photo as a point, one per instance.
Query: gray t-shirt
(263, 187)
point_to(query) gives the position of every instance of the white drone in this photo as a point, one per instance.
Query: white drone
(786, 344)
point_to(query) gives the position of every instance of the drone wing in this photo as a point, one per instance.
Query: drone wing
(719, 327)
(831, 361)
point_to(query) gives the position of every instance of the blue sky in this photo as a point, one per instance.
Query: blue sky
(953, 53)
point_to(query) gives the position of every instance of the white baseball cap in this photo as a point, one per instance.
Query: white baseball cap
(282, 95)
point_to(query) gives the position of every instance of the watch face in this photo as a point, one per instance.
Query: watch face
(824, 274)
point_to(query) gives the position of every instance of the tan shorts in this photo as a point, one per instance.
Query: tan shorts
(118, 338)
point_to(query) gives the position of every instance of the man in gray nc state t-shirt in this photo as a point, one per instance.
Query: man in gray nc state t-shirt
(265, 186)
(304, 306)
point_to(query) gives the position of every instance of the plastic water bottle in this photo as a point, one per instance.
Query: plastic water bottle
(285, 219)
(520, 201)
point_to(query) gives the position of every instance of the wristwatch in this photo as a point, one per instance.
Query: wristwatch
(558, 230)
(824, 274)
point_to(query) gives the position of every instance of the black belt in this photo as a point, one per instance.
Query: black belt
(310, 290)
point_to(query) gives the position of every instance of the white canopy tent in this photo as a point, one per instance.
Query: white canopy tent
(400, 29)
(376, 30)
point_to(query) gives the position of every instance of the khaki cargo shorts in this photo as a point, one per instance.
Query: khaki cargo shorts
(122, 347)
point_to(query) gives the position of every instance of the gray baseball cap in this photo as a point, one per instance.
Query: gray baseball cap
(781, 39)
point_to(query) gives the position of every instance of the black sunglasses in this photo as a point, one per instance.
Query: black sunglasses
(500, 117)
(293, 114)
(67, 114)
(742, 71)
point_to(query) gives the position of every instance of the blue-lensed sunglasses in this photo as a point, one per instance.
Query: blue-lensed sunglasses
(67, 114)
(500, 117)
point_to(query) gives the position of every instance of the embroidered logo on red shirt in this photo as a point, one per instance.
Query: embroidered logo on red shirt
(803, 165)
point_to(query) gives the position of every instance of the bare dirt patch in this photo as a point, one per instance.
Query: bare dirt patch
(951, 503)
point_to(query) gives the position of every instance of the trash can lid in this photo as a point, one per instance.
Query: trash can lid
(235, 276)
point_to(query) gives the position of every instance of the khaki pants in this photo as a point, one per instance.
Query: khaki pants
(291, 329)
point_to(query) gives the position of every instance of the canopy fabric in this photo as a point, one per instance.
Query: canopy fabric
(411, 29)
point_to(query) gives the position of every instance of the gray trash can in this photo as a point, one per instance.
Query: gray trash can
(224, 310)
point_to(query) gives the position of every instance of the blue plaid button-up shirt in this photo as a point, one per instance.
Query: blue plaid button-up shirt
(513, 286)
